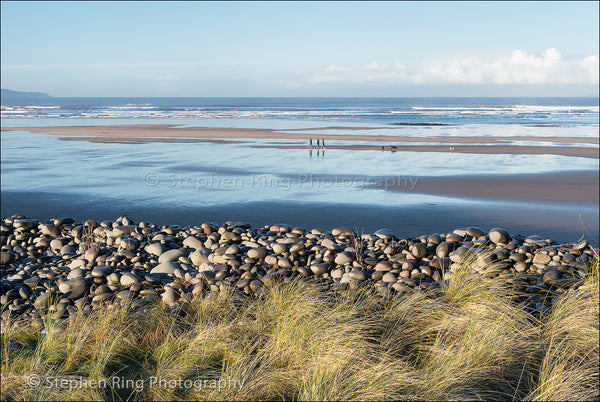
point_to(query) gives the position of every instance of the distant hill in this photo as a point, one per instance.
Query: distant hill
(7, 95)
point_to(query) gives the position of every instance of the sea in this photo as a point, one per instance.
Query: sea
(215, 175)
(380, 111)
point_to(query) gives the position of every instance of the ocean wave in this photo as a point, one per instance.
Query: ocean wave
(376, 114)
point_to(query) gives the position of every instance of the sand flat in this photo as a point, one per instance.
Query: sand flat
(577, 187)
(460, 144)
(170, 131)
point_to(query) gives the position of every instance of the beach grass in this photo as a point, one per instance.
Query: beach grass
(464, 340)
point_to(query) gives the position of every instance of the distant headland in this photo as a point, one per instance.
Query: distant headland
(7, 94)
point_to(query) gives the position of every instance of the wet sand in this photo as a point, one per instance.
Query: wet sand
(165, 133)
(550, 203)
(560, 223)
(576, 187)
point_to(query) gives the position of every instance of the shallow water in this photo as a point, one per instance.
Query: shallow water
(213, 174)
(170, 176)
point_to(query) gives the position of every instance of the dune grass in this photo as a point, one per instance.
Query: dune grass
(466, 340)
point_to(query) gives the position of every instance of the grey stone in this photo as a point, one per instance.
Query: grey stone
(442, 250)
(102, 289)
(358, 275)
(389, 277)
(257, 253)
(155, 248)
(51, 230)
(125, 294)
(344, 258)
(171, 255)
(24, 224)
(319, 269)
(100, 272)
(129, 244)
(114, 278)
(499, 236)
(102, 297)
(69, 285)
(284, 262)
(384, 233)
(418, 250)
(170, 296)
(550, 276)
(242, 283)
(474, 231)
(207, 275)
(383, 266)
(32, 282)
(193, 242)
(520, 266)
(128, 279)
(92, 253)
(56, 244)
(6, 257)
(64, 221)
(541, 259)
(124, 230)
(198, 257)
(164, 268)
(45, 300)
(279, 248)
(339, 231)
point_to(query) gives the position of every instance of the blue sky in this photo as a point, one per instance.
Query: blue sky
(300, 48)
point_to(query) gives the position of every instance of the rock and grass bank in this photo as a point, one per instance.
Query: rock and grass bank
(130, 310)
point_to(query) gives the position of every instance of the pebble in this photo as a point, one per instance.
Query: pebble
(155, 248)
(389, 277)
(542, 259)
(193, 242)
(61, 273)
(129, 279)
(279, 248)
(499, 236)
(344, 258)
(383, 266)
(418, 250)
(171, 255)
(257, 253)
(358, 275)
(164, 268)
(100, 272)
(339, 231)
(6, 257)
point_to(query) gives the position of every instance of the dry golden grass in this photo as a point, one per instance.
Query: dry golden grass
(464, 341)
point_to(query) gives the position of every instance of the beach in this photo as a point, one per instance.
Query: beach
(170, 134)
(518, 201)
(145, 233)
(298, 201)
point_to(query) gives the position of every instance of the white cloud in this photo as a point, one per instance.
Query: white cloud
(372, 72)
(519, 67)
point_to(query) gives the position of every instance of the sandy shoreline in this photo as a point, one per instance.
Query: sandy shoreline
(547, 203)
(460, 144)
(170, 131)
(559, 222)
(577, 187)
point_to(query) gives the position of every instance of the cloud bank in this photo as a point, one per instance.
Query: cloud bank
(520, 67)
